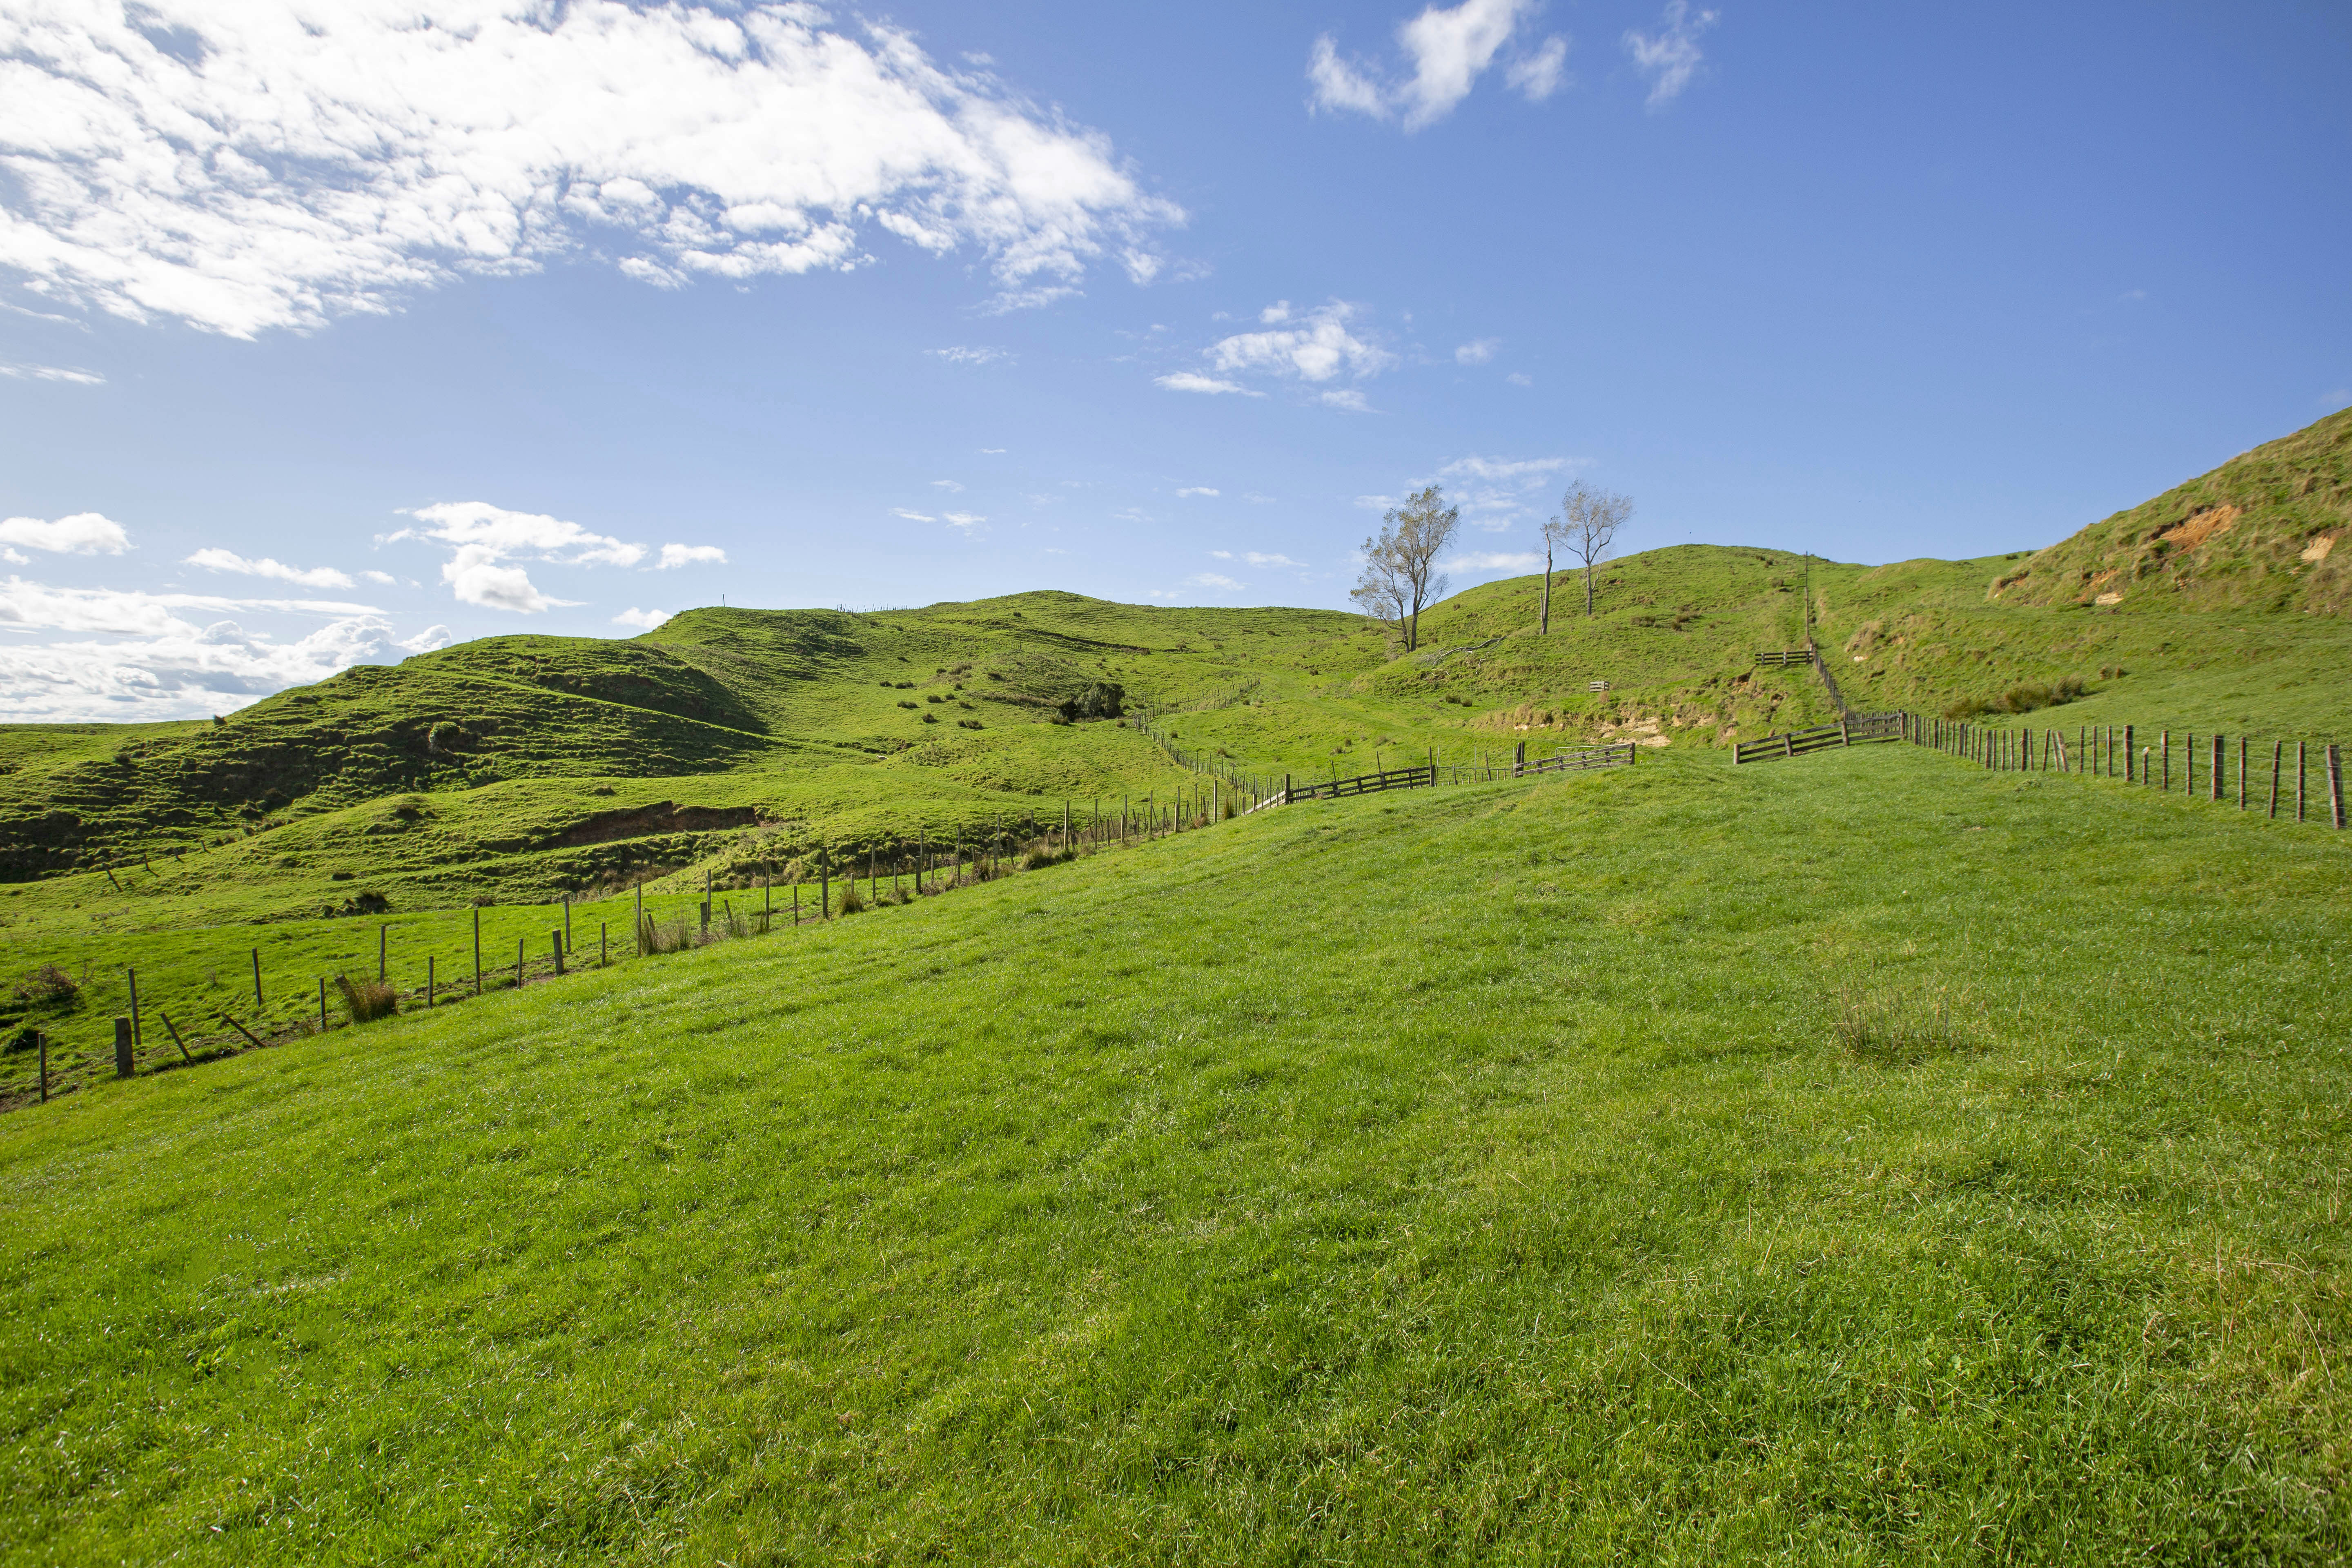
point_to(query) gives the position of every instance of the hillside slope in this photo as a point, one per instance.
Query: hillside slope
(2259, 532)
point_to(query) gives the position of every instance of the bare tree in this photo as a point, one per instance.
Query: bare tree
(1401, 575)
(1586, 527)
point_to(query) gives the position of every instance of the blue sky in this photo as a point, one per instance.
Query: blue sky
(327, 342)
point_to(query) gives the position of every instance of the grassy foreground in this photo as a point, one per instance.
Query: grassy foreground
(1862, 1159)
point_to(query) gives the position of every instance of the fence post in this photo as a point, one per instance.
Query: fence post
(636, 921)
(322, 1003)
(41, 1040)
(2336, 783)
(555, 940)
(257, 977)
(2241, 773)
(136, 1039)
(2301, 747)
(2167, 762)
(478, 949)
(1518, 759)
(428, 983)
(2220, 761)
(124, 1064)
(383, 937)
(1285, 789)
(824, 880)
(2278, 752)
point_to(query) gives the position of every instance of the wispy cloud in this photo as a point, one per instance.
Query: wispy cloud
(967, 520)
(1445, 49)
(962, 355)
(284, 166)
(1185, 381)
(229, 561)
(1212, 580)
(52, 373)
(1520, 378)
(1348, 398)
(644, 620)
(673, 555)
(1477, 352)
(1671, 56)
(1197, 491)
(1492, 561)
(1494, 493)
(912, 516)
(948, 485)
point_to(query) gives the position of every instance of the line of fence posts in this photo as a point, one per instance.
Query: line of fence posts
(2094, 753)
(1196, 806)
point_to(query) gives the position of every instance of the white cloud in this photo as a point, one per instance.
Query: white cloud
(948, 485)
(1211, 580)
(1516, 471)
(1255, 559)
(1494, 561)
(967, 520)
(1538, 76)
(1446, 49)
(229, 561)
(386, 578)
(242, 169)
(689, 556)
(1477, 352)
(1318, 348)
(644, 620)
(1672, 55)
(1185, 381)
(1520, 378)
(427, 641)
(1349, 398)
(485, 536)
(1376, 503)
(83, 533)
(1197, 491)
(52, 373)
(912, 516)
(961, 355)
(1495, 492)
(992, 451)
(162, 665)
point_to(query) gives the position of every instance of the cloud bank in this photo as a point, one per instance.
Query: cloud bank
(247, 168)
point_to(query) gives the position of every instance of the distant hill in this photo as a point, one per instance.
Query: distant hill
(2265, 531)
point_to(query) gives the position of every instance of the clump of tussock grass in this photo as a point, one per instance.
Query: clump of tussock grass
(1898, 1028)
(675, 937)
(852, 901)
(47, 987)
(368, 999)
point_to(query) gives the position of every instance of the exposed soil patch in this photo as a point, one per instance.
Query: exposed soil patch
(644, 821)
(2188, 535)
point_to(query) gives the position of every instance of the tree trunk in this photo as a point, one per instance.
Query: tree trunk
(1588, 588)
(1545, 627)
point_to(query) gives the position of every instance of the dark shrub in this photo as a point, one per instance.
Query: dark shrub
(368, 1000)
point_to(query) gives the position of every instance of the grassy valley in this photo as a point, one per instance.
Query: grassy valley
(1860, 1158)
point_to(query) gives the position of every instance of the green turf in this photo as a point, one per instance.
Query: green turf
(1857, 1160)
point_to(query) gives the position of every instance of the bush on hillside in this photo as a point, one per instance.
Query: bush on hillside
(852, 901)
(48, 987)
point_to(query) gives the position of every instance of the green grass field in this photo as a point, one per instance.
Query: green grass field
(1860, 1158)
(1864, 1159)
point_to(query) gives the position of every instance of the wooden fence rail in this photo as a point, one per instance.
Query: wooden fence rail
(1852, 732)
(1781, 658)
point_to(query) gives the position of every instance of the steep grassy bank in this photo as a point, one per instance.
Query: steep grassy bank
(1864, 1160)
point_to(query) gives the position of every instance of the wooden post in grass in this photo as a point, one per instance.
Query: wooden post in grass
(322, 1003)
(477, 948)
(383, 937)
(2278, 754)
(603, 944)
(796, 906)
(768, 899)
(124, 1065)
(428, 983)
(2129, 753)
(567, 920)
(2336, 784)
(136, 1041)
(2241, 773)
(41, 1043)
(257, 977)
(1518, 759)
(2167, 762)
(518, 963)
(2220, 762)
(1285, 789)
(173, 1030)
(2300, 748)
(824, 884)
(2188, 750)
